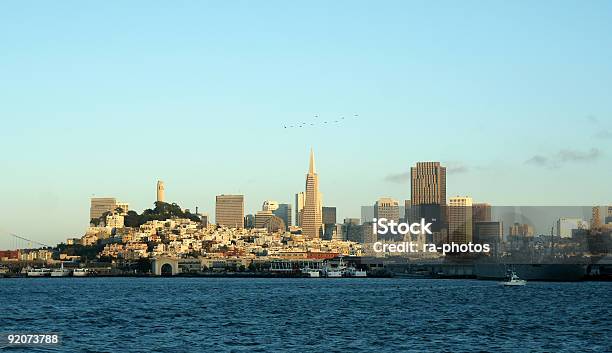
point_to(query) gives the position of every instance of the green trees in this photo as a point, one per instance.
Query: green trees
(160, 212)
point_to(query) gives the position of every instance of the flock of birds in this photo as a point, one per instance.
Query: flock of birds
(318, 123)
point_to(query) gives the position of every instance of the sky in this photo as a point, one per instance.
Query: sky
(105, 98)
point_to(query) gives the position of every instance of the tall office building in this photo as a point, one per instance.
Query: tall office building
(100, 205)
(460, 219)
(428, 184)
(609, 216)
(428, 194)
(596, 217)
(312, 219)
(300, 197)
(481, 212)
(229, 211)
(329, 215)
(160, 191)
(387, 208)
(283, 211)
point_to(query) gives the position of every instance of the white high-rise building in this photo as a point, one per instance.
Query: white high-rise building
(312, 223)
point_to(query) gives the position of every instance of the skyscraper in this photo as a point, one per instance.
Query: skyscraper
(387, 208)
(428, 193)
(160, 191)
(428, 184)
(460, 219)
(229, 211)
(329, 215)
(299, 207)
(596, 217)
(312, 219)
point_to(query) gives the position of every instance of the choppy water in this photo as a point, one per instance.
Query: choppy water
(313, 315)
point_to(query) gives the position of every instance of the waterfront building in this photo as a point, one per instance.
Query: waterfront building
(460, 219)
(312, 219)
(160, 191)
(387, 208)
(229, 211)
(101, 205)
(329, 215)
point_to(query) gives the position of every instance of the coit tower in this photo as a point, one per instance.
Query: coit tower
(160, 191)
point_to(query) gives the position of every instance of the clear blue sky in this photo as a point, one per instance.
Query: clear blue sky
(107, 97)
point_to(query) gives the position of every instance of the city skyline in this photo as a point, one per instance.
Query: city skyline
(105, 100)
(100, 204)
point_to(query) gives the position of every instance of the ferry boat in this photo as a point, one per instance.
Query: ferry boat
(513, 280)
(60, 272)
(80, 272)
(39, 272)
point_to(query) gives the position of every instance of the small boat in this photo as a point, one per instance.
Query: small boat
(311, 272)
(353, 272)
(39, 272)
(80, 272)
(513, 280)
(333, 273)
(60, 272)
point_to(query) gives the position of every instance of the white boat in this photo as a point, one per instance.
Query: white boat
(311, 272)
(60, 272)
(80, 272)
(330, 271)
(353, 272)
(513, 280)
(39, 272)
